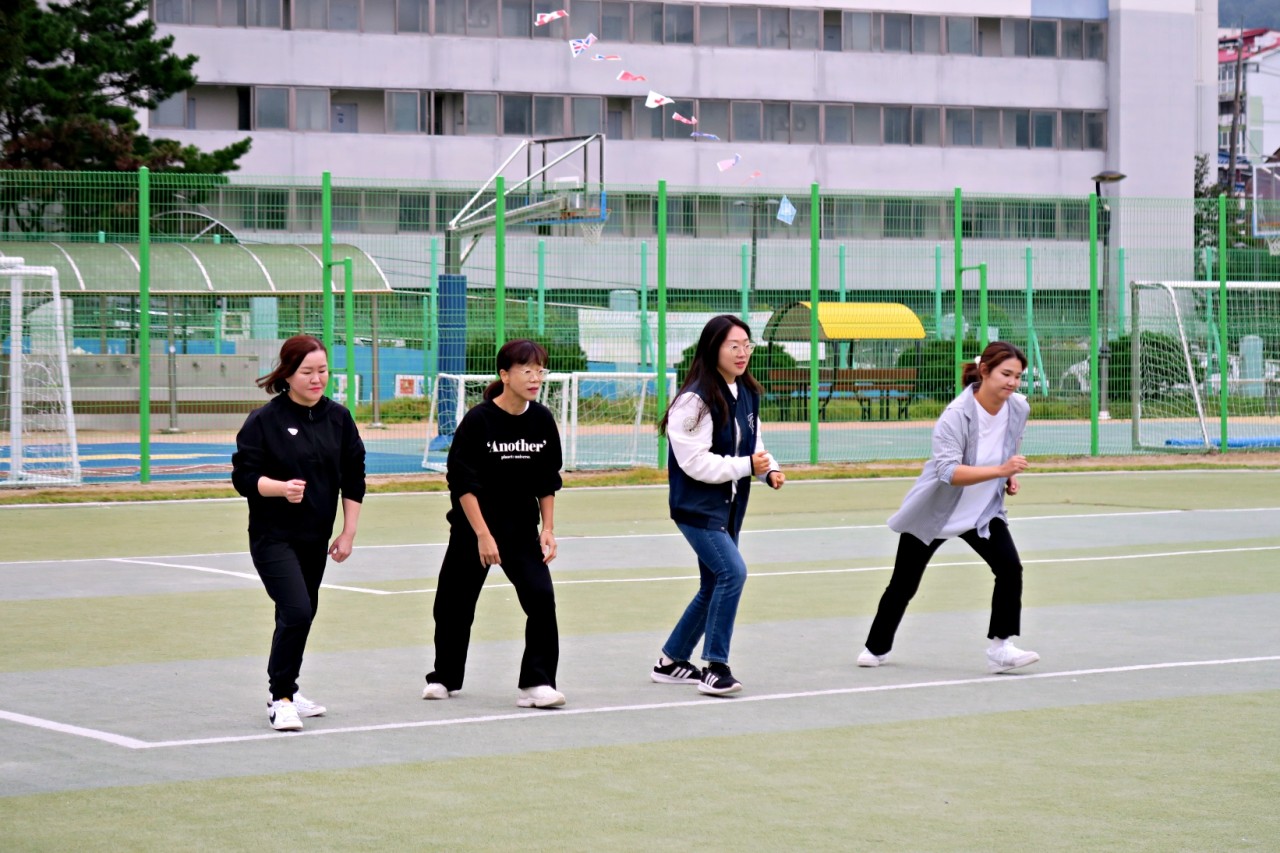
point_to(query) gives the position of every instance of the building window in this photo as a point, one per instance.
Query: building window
(1095, 41)
(896, 33)
(646, 23)
(1044, 39)
(271, 110)
(746, 121)
(832, 39)
(1044, 126)
(713, 25)
(744, 26)
(586, 116)
(859, 31)
(1072, 130)
(615, 21)
(1017, 129)
(171, 12)
(990, 42)
(310, 14)
(344, 15)
(713, 117)
(925, 126)
(986, 128)
(804, 124)
(204, 13)
(554, 31)
(548, 115)
(171, 112)
(775, 27)
(837, 124)
(482, 18)
(678, 23)
(777, 123)
(451, 17)
(482, 114)
(805, 30)
(1072, 40)
(415, 212)
(402, 112)
(959, 127)
(517, 115)
(1014, 36)
(311, 109)
(585, 19)
(897, 125)
(647, 122)
(517, 18)
(960, 36)
(926, 34)
(866, 125)
(1095, 131)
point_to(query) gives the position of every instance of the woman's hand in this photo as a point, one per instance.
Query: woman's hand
(548, 541)
(1011, 486)
(489, 555)
(1015, 465)
(293, 490)
(341, 547)
(776, 479)
(760, 463)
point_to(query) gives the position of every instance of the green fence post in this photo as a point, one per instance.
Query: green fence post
(1120, 293)
(218, 326)
(660, 357)
(349, 309)
(843, 347)
(433, 362)
(1093, 324)
(102, 236)
(745, 310)
(937, 291)
(144, 324)
(1223, 345)
(959, 293)
(500, 262)
(815, 296)
(542, 287)
(983, 316)
(645, 344)
(326, 264)
(1033, 340)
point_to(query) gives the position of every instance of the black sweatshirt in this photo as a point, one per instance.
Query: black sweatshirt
(284, 440)
(508, 462)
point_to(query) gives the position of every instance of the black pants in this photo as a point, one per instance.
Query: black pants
(998, 552)
(291, 572)
(458, 589)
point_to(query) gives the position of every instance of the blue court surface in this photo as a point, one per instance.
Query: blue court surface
(119, 462)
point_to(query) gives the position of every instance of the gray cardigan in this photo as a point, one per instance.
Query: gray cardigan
(930, 502)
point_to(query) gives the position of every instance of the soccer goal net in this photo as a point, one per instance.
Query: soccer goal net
(38, 422)
(1176, 361)
(606, 420)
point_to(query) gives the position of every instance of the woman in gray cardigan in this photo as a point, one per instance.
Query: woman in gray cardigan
(961, 491)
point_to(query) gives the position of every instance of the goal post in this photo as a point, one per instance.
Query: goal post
(39, 420)
(606, 420)
(1177, 356)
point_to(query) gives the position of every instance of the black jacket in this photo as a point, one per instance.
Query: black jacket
(284, 441)
(508, 462)
(707, 505)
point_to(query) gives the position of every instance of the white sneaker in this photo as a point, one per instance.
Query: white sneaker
(868, 659)
(542, 696)
(307, 708)
(283, 716)
(436, 690)
(1008, 656)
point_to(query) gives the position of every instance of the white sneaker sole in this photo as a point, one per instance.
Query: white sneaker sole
(317, 711)
(659, 678)
(286, 725)
(547, 702)
(713, 691)
(869, 660)
(997, 668)
(429, 693)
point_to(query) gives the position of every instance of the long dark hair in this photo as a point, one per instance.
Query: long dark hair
(995, 353)
(518, 351)
(292, 352)
(704, 373)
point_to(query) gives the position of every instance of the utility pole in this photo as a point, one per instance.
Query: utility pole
(1235, 115)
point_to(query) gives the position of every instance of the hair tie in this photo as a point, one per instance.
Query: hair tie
(977, 359)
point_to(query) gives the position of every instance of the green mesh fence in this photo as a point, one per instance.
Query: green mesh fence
(228, 267)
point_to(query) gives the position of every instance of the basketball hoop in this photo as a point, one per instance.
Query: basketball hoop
(593, 227)
(1272, 236)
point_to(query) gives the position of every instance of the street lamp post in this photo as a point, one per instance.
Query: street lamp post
(1104, 348)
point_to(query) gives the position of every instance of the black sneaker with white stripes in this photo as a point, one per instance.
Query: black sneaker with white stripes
(676, 672)
(717, 680)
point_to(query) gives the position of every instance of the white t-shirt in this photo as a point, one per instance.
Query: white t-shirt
(974, 499)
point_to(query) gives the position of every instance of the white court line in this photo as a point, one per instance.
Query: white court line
(559, 713)
(1017, 520)
(858, 569)
(245, 575)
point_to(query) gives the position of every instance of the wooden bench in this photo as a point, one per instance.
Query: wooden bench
(866, 385)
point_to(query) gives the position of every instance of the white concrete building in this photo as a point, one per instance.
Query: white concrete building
(1258, 132)
(995, 96)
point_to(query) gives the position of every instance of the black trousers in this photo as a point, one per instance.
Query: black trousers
(291, 572)
(458, 590)
(998, 552)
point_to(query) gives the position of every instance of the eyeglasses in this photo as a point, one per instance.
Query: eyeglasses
(738, 349)
(530, 372)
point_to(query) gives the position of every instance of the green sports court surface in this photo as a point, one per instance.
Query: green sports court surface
(134, 640)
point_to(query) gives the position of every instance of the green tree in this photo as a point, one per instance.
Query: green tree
(72, 77)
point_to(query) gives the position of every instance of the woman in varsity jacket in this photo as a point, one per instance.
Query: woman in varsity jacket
(960, 492)
(713, 426)
(503, 474)
(294, 457)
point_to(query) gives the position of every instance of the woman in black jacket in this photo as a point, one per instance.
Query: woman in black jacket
(504, 472)
(293, 458)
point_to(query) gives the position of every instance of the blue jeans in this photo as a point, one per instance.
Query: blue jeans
(714, 608)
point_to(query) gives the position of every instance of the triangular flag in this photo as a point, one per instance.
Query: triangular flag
(786, 211)
(628, 77)
(611, 57)
(544, 18)
(683, 120)
(656, 100)
(726, 165)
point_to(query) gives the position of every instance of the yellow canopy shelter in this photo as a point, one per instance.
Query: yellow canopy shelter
(845, 321)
